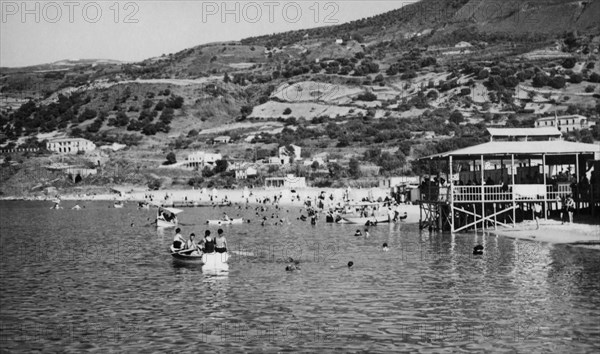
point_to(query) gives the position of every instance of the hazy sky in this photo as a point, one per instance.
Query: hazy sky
(48, 31)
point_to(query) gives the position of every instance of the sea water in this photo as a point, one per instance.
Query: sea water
(102, 279)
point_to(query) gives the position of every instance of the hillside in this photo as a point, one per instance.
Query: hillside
(425, 78)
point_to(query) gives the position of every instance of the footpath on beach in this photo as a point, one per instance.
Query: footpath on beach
(553, 231)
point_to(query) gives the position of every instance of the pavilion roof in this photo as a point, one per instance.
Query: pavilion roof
(520, 149)
(542, 131)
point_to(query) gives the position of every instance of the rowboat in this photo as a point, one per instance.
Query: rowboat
(167, 217)
(210, 260)
(223, 222)
(118, 205)
(363, 220)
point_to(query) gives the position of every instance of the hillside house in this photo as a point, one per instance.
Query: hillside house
(278, 161)
(339, 41)
(223, 139)
(70, 145)
(201, 159)
(463, 45)
(524, 134)
(563, 123)
(245, 172)
(318, 160)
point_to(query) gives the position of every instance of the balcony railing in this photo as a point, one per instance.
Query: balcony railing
(498, 193)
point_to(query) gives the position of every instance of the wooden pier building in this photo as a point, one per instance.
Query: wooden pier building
(499, 182)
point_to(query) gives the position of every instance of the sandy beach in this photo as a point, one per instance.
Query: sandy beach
(553, 231)
(285, 197)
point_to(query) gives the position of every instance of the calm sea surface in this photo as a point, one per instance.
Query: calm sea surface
(101, 280)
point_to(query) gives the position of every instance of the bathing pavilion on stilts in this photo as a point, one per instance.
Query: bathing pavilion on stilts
(499, 182)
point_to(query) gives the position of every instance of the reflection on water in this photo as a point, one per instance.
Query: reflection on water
(86, 280)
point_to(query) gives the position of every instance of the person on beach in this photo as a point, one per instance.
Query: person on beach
(226, 218)
(209, 243)
(178, 240)
(220, 242)
(537, 213)
(570, 203)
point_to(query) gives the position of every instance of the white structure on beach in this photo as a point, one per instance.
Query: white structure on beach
(289, 181)
(202, 159)
(70, 145)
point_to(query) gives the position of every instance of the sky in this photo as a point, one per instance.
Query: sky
(37, 32)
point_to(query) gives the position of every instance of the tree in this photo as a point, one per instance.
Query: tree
(540, 80)
(456, 117)
(354, 168)
(171, 158)
(569, 63)
(335, 170)
(557, 82)
(226, 78)
(221, 166)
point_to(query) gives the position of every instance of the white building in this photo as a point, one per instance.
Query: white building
(202, 159)
(224, 139)
(289, 181)
(279, 161)
(396, 181)
(245, 172)
(70, 145)
(563, 123)
(463, 45)
(339, 41)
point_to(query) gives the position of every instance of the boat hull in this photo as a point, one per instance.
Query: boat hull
(165, 224)
(223, 222)
(363, 221)
(209, 260)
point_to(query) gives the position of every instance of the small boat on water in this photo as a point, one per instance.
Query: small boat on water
(118, 205)
(365, 220)
(212, 260)
(167, 217)
(225, 222)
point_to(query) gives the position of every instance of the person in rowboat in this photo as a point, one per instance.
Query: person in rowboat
(192, 245)
(178, 240)
(220, 242)
(209, 243)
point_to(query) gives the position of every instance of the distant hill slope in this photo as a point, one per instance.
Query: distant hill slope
(490, 16)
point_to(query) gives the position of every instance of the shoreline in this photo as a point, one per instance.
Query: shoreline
(553, 231)
(285, 197)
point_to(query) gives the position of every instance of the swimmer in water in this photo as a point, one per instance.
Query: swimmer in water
(385, 247)
(357, 233)
(367, 233)
(350, 264)
(478, 250)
